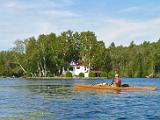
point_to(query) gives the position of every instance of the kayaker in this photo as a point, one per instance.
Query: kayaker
(117, 81)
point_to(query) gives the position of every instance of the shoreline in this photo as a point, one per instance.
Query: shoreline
(77, 78)
(67, 78)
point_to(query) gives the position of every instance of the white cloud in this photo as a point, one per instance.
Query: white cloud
(64, 2)
(131, 9)
(61, 13)
(36, 5)
(119, 31)
(11, 6)
(122, 31)
(43, 27)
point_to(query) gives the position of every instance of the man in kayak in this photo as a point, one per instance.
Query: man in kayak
(117, 81)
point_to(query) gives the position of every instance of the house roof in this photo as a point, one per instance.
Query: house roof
(79, 62)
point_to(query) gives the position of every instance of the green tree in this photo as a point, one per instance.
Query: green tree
(88, 42)
(32, 56)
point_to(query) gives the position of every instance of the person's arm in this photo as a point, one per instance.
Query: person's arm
(112, 82)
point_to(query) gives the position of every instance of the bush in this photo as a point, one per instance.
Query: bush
(81, 74)
(92, 74)
(68, 74)
(103, 74)
(111, 74)
(27, 74)
(50, 75)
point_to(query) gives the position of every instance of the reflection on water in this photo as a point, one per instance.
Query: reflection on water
(98, 91)
(50, 91)
(58, 100)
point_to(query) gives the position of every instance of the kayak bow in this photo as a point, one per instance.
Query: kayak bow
(109, 87)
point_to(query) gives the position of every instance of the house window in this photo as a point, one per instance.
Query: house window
(78, 67)
(71, 68)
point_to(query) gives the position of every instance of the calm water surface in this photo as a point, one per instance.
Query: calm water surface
(58, 100)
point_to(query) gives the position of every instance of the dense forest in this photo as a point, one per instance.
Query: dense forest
(49, 55)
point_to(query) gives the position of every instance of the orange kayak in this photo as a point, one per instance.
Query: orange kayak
(109, 87)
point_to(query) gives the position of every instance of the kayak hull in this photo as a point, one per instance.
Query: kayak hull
(109, 87)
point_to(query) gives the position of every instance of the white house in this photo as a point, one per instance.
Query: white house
(80, 67)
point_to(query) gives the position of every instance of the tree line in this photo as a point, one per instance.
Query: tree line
(51, 54)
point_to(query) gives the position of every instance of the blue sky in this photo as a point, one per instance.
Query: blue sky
(118, 21)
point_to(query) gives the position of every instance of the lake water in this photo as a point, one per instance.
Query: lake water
(58, 100)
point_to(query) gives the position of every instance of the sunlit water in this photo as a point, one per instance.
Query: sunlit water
(58, 100)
